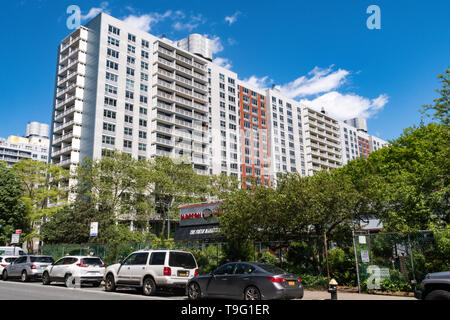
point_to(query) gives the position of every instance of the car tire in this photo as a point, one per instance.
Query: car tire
(438, 295)
(194, 291)
(46, 279)
(67, 281)
(24, 276)
(5, 275)
(149, 287)
(252, 293)
(110, 285)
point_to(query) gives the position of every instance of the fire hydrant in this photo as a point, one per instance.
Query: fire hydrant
(332, 288)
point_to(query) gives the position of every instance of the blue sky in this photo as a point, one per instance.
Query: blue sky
(320, 52)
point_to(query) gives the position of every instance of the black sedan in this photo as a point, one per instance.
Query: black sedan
(248, 281)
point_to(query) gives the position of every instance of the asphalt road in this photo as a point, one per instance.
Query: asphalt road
(16, 290)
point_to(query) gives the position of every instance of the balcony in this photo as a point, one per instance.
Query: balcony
(165, 84)
(163, 129)
(165, 142)
(165, 51)
(165, 62)
(183, 101)
(183, 69)
(65, 113)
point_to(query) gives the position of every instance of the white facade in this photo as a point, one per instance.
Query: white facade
(118, 87)
(34, 146)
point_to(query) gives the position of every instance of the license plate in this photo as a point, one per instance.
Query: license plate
(182, 274)
(291, 283)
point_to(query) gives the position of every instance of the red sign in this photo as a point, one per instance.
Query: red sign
(18, 231)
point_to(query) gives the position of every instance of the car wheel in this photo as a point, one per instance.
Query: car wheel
(438, 295)
(69, 281)
(5, 275)
(45, 279)
(194, 291)
(149, 287)
(252, 293)
(24, 277)
(110, 285)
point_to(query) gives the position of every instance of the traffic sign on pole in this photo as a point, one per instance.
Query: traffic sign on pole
(15, 238)
(94, 229)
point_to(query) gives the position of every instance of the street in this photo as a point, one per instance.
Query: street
(16, 290)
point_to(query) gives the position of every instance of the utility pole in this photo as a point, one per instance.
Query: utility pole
(356, 261)
(168, 221)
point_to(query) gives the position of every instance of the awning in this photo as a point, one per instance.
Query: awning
(202, 232)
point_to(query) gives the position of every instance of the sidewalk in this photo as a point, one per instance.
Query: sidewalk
(324, 295)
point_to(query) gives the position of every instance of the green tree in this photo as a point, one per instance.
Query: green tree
(13, 212)
(112, 191)
(174, 183)
(44, 192)
(441, 105)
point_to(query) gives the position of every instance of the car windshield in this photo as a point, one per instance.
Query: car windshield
(271, 268)
(42, 259)
(182, 259)
(92, 261)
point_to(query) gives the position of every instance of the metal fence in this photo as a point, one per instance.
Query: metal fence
(364, 260)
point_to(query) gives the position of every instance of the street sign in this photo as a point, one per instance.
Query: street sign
(94, 229)
(18, 231)
(15, 238)
(365, 256)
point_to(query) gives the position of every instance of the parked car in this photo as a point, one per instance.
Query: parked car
(248, 281)
(4, 261)
(152, 269)
(27, 267)
(436, 286)
(75, 269)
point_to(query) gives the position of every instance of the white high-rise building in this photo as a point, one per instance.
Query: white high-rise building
(119, 87)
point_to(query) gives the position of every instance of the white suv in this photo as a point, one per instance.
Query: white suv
(75, 270)
(150, 269)
(4, 261)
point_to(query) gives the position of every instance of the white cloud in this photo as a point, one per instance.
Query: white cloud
(217, 44)
(323, 83)
(320, 81)
(145, 22)
(184, 26)
(347, 106)
(259, 83)
(193, 23)
(231, 41)
(232, 19)
(93, 12)
(223, 62)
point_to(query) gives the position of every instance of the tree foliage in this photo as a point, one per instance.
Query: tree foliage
(13, 212)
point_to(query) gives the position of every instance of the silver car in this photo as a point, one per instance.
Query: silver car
(4, 261)
(248, 281)
(27, 267)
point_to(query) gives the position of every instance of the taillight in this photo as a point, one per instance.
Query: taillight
(81, 265)
(276, 279)
(196, 273)
(102, 266)
(167, 271)
(299, 280)
(33, 266)
(3, 265)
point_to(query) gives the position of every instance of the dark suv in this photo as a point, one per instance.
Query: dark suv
(436, 286)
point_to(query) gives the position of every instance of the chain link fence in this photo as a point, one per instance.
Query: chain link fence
(365, 261)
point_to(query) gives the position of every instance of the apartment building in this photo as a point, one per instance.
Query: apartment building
(118, 87)
(34, 145)
(254, 134)
(121, 88)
